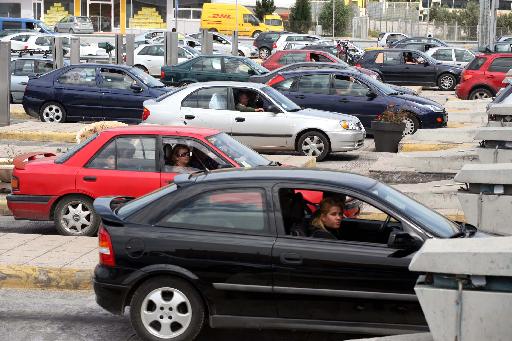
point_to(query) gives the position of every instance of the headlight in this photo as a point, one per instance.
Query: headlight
(348, 125)
(433, 108)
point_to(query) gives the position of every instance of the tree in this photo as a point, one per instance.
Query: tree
(300, 16)
(342, 17)
(263, 8)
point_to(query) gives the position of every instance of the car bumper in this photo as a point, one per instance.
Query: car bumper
(434, 120)
(32, 105)
(344, 141)
(110, 297)
(31, 207)
(461, 91)
(83, 30)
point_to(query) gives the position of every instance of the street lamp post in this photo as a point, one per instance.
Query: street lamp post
(333, 19)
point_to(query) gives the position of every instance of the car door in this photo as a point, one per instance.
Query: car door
(463, 57)
(354, 97)
(125, 166)
(229, 229)
(419, 71)
(313, 91)
(208, 107)
(390, 65)
(351, 282)
(495, 74)
(270, 129)
(120, 99)
(77, 89)
(207, 69)
(445, 56)
(155, 59)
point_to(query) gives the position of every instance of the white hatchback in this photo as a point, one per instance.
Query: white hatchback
(268, 121)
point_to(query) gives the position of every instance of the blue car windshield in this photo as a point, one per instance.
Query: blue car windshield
(428, 219)
(383, 87)
(148, 80)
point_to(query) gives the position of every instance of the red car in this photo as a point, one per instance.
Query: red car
(483, 77)
(126, 161)
(285, 57)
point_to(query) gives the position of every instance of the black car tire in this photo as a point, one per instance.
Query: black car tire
(255, 34)
(76, 207)
(52, 112)
(446, 81)
(167, 284)
(480, 93)
(212, 30)
(411, 124)
(314, 139)
(264, 52)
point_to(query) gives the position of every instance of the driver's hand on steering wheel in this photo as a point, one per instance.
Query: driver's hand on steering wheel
(259, 110)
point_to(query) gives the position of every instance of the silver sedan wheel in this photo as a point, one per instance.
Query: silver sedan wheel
(409, 126)
(313, 146)
(447, 82)
(76, 217)
(166, 313)
(481, 95)
(52, 113)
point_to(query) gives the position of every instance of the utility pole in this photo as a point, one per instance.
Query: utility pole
(333, 4)
(487, 23)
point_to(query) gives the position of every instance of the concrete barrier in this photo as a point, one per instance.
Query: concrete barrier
(495, 145)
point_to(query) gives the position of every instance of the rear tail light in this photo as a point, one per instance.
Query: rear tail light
(274, 46)
(275, 80)
(25, 47)
(162, 74)
(105, 248)
(254, 43)
(15, 183)
(145, 114)
(358, 65)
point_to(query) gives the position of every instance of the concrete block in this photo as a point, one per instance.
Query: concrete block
(490, 155)
(494, 211)
(494, 173)
(494, 134)
(476, 106)
(485, 315)
(471, 256)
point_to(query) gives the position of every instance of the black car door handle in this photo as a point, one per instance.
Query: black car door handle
(300, 96)
(240, 119)
(23, 83)
(189, 117)
(343, 100)
(290, 258)
(89, 178)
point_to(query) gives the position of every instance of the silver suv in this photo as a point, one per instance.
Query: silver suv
(74, 24)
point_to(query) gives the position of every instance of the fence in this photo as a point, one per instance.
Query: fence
(393, 10)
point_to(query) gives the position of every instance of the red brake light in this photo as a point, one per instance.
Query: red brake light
(145, 114)
(25, 47)
(275, 80)
(358, 65)
(105, 248)
(162, 74)
(254, 43)
(274, 46)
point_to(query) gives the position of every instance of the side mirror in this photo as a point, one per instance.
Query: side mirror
(273, 109)
(371, 94)
(403, 240)
(251, 72)
(136, 87)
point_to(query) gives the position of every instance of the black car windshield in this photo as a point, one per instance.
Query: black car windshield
(428, 219)
(147, 79)
(242, 155)
(257, 67)
(280, 99)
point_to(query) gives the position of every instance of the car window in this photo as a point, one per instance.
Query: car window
(43, 41)
(316, 84)
(144, 51)
(208, 64)
(392, 58)
(320, 58)
(11, 25)
(43, 66)
(476, 64)
(200, 158)
(21, 37)
(210, 98)
(155, 50)
(463, 56)
(236, 66)
(241, 210)
(501, 65)
(23, 67)
(379, 58)
(349, 86)
(127, 153)
(291, 58)
(83, 76)
(443, 55)
(116, 79)
(285, 85)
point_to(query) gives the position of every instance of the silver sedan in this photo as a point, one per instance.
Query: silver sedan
(258, 116)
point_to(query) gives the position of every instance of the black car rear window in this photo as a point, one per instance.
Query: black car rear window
(476, 64)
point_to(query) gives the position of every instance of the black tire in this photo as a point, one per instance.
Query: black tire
(480, 93)
(142, 67)
(64, 216)
(411, 124)
(316, 139)
(71, 31)
(264, 52)
(52, 112)
(446, 82)
(255, 34)
(212, 30)
(195, 308)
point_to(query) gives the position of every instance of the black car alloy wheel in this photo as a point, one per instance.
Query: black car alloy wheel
(447, 81)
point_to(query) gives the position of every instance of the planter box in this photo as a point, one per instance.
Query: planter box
(387, 135)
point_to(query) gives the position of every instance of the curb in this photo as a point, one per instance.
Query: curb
(39, 136)
(426, 147)
(32, 277)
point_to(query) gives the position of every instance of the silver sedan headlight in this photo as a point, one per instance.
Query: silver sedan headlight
(349, 125)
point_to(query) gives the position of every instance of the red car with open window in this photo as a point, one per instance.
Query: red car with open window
(125, 161)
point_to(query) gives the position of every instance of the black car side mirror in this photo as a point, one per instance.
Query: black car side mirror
(403, 241)
(136, 87)
(273, 109)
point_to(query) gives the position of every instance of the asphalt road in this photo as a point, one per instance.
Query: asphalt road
(41, 315)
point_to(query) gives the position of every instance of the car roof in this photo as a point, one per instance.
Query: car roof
(280, 174)
(322, 71)
(494, 54)
(227, 83)
(121, 66)
(160, 130)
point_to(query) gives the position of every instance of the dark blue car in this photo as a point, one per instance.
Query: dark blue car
(353, 93)
(91, 92)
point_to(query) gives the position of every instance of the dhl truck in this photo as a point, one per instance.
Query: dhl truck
(222, 18)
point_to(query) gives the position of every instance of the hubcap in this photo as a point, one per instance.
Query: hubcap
(313, 146)
(52, 113)
(264, 54)
(446, 82)
(481, 95)
(76, 217)
(166, 313)
(409, 126)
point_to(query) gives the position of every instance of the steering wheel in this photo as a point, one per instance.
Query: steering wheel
(385, 224)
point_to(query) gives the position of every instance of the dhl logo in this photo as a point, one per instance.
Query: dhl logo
(221, 16)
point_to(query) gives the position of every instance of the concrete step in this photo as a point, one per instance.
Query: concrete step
(439, 139)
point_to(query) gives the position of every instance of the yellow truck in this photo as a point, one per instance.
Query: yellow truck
(274, 22)
(222, 18)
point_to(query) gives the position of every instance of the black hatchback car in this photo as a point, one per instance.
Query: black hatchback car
(410, 67)
(222, 247)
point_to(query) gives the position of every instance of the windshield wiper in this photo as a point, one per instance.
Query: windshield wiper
(294, 110)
